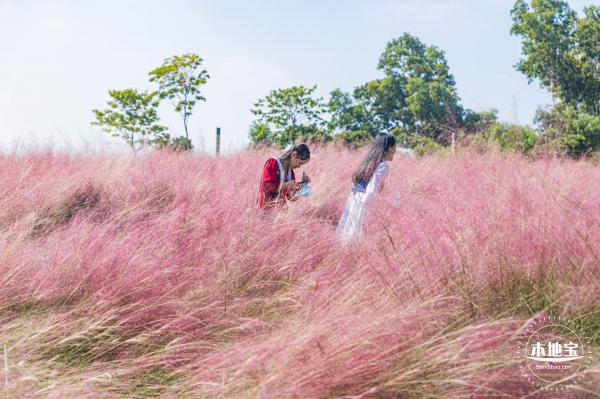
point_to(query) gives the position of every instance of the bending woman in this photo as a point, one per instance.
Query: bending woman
(278, 182)
(367, 183)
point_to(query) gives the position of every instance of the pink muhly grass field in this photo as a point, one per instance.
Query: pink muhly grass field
(157, 276)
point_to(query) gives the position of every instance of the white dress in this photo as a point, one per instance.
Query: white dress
(353, 219)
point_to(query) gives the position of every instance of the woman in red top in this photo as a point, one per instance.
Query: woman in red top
(273, 189)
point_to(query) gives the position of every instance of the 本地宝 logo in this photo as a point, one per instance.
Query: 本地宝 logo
(553, 353)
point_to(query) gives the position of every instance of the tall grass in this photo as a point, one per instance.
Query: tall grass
(157, 276)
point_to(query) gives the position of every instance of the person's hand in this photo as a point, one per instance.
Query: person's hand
(292, 184)
(305, 178)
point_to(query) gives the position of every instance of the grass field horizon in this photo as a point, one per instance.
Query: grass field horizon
(157, 276)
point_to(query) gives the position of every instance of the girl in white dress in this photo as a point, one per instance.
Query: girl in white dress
(367, 183)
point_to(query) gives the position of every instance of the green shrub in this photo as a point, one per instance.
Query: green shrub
(180, 143)
(566, 129)
(504, 136)
(420, 144)
(355, 138)
(514, 137)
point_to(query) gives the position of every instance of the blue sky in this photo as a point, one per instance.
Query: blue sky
(59, 57)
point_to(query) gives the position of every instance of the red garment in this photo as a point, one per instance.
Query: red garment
(269, 184)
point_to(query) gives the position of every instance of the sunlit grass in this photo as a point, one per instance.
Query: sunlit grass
(158, 277)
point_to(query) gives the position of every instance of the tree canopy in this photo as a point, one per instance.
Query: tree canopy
(560, 50)
(417, 94)
(132, 116)
(179, 80)
(286, 114)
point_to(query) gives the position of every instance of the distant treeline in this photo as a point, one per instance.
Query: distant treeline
(416, 100)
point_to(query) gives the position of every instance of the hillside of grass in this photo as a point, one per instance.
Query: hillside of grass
(125, 277)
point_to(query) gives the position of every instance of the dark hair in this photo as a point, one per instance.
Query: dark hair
(374, 156)
(301, 149)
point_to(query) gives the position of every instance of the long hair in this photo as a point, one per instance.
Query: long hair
(374, 156)
(301, 149)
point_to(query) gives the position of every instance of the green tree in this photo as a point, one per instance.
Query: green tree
(567, 130)
(260, 132)
(509, 137)
(428, 86)
(132, 116)
(341, 108)
(407, 57)
(179, 80)
(560, 50)
(475, 122)
(178, 144)
(418, 94)
(355, 138)
(287, 114)
(420, 144)
(587, 36)
(382, 104)
(361, 111)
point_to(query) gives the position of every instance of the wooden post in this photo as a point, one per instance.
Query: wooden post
(218, 149)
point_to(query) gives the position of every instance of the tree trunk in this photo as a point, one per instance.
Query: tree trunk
(185, 125)
(293, 138)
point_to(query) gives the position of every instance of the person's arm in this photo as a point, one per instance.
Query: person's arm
(269, 179)
(293, 185)
(290, 189)
(376, 184)
(290, 186)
